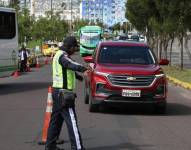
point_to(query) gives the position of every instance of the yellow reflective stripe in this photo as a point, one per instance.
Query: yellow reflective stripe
(57, 71)
(70, 79)
(58, 74)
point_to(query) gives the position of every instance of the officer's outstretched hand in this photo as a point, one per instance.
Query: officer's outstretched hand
(89, 69)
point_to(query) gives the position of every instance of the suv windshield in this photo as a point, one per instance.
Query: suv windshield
(126, 55)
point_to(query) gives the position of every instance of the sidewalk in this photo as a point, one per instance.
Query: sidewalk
(179, 83)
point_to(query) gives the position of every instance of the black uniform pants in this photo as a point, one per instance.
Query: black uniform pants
(23, 66)
(60, 114)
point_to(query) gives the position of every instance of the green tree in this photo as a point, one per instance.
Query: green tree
(139, 12)
(80, 23)
(2, 3)
(180, 12)
(161, 20)
(25, 25)
(15, 4)
(50, 27)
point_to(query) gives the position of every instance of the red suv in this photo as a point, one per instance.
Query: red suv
(125, 72)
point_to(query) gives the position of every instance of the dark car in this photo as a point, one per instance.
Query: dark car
(134, 38)
(123, 37)
(125, 72)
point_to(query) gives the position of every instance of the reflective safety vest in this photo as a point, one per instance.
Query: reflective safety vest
(58, 74)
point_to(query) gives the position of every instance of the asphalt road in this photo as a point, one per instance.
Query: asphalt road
(23, 104)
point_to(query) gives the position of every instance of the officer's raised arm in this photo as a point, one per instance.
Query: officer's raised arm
(67, 62)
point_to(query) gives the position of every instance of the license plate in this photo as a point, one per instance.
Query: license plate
(131, 93)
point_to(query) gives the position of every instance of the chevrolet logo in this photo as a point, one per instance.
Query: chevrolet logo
(131, 78)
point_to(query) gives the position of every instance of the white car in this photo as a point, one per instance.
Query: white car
(141, 38)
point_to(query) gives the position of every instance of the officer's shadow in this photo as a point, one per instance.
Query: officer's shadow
(121, 146)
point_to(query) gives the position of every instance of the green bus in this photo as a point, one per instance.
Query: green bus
(89, 37)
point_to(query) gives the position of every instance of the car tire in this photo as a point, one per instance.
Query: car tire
(86, 96)
(92, 107)
(103, 108)
(160, 108)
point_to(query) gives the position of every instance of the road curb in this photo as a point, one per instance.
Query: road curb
(179, 83)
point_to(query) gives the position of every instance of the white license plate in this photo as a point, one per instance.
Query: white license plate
(131, 93)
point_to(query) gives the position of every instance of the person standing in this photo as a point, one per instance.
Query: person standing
(64, 75)
(23, 54)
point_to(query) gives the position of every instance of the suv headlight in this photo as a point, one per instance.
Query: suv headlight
(101, 73)
(160, 75)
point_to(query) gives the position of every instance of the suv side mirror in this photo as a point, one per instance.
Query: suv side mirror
(88, 59)
(164, 62)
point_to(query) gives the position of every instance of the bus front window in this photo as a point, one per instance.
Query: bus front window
(90, 38)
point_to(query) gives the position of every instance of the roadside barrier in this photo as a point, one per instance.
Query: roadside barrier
(47, 119)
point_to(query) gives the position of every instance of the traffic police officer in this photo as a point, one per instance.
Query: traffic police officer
(64, 76)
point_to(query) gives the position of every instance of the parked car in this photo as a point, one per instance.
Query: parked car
(134, 38)
(141, 38)
(123, 37)
(125, 72)
(49, 49)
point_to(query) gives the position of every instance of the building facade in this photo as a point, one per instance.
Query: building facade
(4, 2)
(109, 12)
(69, 9)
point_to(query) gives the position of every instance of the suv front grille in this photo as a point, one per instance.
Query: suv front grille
(127, 80)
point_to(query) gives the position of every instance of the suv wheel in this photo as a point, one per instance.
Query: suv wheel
(86, 96)
(92, 107)
(160, 108)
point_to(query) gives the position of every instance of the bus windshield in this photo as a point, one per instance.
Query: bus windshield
(90, 38)
(7, 25)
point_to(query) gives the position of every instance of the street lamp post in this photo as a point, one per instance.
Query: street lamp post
(51, 9)
(102, 10)
(88, 8)
(51, 5)
(71, 17)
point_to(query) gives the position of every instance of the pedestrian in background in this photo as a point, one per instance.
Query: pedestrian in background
(64, 75)
(23, 54)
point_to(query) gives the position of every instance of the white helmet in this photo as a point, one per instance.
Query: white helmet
(60, 44)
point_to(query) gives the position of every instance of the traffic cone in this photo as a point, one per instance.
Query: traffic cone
(28, 67)
(37, 63)
(47, 116)
(16, 73)
(46, 61)
(47, 119)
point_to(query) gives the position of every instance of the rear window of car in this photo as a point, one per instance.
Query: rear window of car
(123, 38)
(126, 55)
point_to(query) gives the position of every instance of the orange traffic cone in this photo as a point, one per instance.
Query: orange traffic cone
(47, 116)
(16, 73)
(46, 61)
(37, 63)
(28, 67)
(47, 119)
